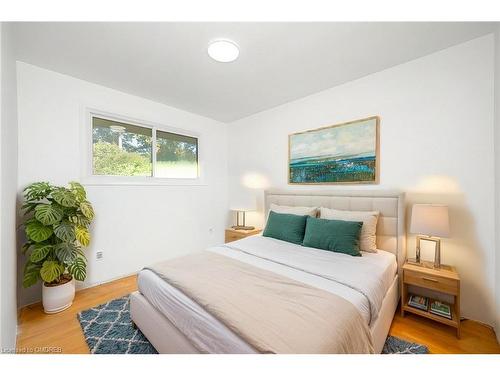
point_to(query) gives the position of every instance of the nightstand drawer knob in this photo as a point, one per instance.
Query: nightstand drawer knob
(429, 279)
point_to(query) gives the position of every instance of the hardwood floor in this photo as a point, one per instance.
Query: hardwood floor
(440, 339)
(62, 333)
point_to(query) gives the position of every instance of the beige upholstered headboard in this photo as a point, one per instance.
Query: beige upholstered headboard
(391, 234)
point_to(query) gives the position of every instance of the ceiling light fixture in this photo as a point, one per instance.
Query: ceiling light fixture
(223, 50)
(117, 128)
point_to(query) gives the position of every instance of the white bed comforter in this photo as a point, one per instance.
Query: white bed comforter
(371, 274)
(363, 281)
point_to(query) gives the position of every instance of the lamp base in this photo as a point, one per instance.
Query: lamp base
(414, 261)
(437, 251)
(242, 227)
(426, 264)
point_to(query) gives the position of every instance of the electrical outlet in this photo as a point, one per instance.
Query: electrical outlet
(211, 230)
(99, 255)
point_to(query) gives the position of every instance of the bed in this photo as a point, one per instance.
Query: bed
(174, 323)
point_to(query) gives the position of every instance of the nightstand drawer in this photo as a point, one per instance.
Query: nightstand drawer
(438, 283)
(230, 237)
(238, 234)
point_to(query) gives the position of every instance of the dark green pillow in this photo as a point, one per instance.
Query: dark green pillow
(285, 227)
(333, 235)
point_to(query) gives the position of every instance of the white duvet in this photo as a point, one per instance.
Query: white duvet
(371, 274)
(363, 281)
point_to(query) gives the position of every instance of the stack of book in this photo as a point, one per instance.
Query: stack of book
(419, 302)
(441, 309)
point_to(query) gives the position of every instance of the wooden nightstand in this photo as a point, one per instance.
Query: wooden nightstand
(443, 280)
(236, 234)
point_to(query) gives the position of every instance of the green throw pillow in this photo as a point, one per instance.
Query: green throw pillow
(285, 227)
(333, 235)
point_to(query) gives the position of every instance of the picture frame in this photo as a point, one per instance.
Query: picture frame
(345, 153)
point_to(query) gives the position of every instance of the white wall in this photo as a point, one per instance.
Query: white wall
(436, 143)
(135, 225)
(8, 158)
(497, 181)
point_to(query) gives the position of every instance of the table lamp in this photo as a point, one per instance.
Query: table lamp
(430, 222)
(241, 212)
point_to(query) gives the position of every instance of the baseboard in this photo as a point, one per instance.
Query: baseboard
(107, 281)
(82, 287)
(496, 329)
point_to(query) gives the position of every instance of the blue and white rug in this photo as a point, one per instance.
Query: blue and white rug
(394, 345)
(109, 330)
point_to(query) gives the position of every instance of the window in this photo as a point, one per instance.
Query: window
(124, 149)
(176, 155)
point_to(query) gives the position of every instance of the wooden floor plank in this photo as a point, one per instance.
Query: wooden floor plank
(62, 332)
(441, 339)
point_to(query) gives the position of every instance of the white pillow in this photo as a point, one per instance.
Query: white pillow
(368, 235)
(311, 211)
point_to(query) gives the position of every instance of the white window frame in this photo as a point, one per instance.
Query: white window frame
(87, 165)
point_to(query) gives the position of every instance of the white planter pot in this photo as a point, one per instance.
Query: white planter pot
(58, 298)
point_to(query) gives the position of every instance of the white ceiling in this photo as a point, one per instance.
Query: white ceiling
(278, 62)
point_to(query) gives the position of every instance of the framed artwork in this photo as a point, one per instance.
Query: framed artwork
(346, 153)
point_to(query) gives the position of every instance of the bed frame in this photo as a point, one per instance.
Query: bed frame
(166, 338)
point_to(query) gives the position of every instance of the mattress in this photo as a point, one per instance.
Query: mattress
(363, 281)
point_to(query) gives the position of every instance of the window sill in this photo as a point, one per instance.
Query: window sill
(140, 181)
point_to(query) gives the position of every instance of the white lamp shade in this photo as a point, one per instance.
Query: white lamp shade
(430, 220)
(242, 209)
(243, 200)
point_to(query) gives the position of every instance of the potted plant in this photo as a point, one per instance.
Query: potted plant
(57, 221)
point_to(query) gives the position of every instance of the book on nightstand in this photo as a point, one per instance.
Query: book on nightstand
(441, 309)
(418, 302)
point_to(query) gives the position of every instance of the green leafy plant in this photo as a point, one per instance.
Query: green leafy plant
(57, 221)
(109, 159)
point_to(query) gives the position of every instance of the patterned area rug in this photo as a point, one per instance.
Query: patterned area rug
(394, 345)
(109, 330)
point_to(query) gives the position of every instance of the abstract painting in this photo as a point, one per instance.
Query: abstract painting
(340, 154)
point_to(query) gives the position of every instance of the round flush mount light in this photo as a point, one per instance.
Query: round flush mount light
(117, 128)
(223, 50)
